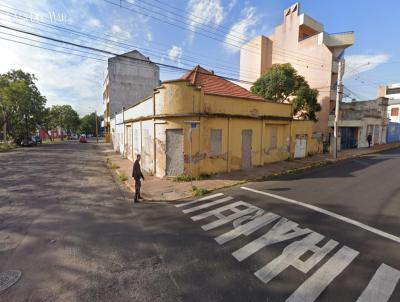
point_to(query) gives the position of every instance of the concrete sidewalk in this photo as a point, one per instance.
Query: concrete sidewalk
(156, 189)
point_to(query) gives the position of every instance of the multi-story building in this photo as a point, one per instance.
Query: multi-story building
(359, 119)
(392, 92)
(301, 41)
(204, 124)
(131, 77)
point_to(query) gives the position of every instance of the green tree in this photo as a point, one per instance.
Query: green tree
(65, 117)
(281, 83)
(21, 103)
(88, 124)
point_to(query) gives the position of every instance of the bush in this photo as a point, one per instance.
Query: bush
(199, 191)
(122, 176)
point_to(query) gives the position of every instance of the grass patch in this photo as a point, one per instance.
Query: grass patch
(7, 147)
(114, 166)
(199, 191)
(122, 176)
(186, 178)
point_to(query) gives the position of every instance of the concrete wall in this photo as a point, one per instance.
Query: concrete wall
(130, 81)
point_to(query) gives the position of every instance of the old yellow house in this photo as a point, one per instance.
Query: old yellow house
(204, 124)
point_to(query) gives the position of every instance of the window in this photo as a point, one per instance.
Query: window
(392, 90)
(394, 111)
(305, 36)
(274, 138)
(216, 142)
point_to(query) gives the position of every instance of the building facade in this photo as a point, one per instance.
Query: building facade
(392, 92)
(204, 124)
(301, 41)
(359, 119)
(131, 77)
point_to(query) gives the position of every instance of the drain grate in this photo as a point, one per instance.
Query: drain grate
(8, 279)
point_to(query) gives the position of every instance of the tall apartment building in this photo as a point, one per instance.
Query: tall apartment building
(301, 41)
(392, 92)
(131, 78)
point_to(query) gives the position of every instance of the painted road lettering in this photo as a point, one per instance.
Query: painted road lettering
(248, 228)
(246, 219)
(283, 230)
(221, 218)
(381, 286)
(291, 257)
(313, 286)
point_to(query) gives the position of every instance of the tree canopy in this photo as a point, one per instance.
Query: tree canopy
(22, 104)
(281, 83)
(65, 117)
(88, 124)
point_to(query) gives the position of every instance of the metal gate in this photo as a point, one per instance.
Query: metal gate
(300, 148)
(348, 137)
(246, 148)
(174, 152)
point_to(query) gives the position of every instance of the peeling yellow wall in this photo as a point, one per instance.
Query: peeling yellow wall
(314, 145)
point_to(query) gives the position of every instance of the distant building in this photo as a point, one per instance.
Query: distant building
(301, 41)
(131, 77)
(359, 119)
(392, 92)
(230, 128)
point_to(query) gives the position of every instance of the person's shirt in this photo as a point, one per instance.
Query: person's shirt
(137, 173)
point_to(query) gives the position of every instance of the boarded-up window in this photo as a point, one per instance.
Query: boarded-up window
(216, 142)
(274, 137)
(394, 112)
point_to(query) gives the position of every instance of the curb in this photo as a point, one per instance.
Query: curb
(316, 164)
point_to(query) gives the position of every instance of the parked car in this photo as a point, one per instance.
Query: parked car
(82, 139)
(37, 139)
(28, 142)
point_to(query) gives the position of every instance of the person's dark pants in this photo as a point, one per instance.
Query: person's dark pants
(369, 144)
(138, 184)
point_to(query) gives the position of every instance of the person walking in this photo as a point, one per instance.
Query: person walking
(369, 139)
(137, 176)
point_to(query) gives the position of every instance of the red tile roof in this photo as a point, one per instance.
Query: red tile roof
(213, 84)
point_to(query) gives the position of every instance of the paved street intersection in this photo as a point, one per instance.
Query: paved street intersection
(327, 234)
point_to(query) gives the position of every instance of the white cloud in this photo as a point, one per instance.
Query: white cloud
(356, 64)
(116, 29)
(242, 30)
(175, 53)
(204, 12)
(94, 22)
(149, 36)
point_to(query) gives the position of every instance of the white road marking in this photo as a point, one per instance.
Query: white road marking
(329, 213)
(381, 286)
(283, 230)
(207, 205)
(247, 228)
(291, 256)
(197, 200)
(222, 219)
(310, 289)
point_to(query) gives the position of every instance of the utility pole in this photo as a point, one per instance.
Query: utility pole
(97, 129)
(338, 96)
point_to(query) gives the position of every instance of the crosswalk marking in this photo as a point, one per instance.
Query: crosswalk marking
(197, 200)
(207, 205)
(381, 286)
(283, 230)
(248, 228)
(310, 289)
(291, 256)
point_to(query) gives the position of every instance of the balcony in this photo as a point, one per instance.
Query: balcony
(309, 22)
(344, 39)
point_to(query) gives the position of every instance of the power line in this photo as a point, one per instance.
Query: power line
(110, 53)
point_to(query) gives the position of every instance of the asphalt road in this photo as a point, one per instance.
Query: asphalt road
(329, 234)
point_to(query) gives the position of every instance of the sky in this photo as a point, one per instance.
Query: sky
(183, 34)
